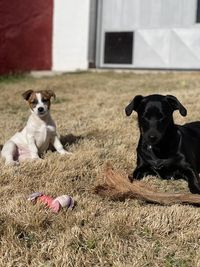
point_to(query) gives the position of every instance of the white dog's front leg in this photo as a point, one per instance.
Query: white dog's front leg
(32, 147)
(59, 147)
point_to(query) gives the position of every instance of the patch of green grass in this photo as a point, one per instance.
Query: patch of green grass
(146, 233)
(171, 261)
(157, 248)
(13, 78)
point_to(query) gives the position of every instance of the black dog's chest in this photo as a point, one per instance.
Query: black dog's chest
(150, 154)
(159, 160)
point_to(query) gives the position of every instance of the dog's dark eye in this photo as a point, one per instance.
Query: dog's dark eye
(34, 102)
(145, 120)
(44, 100)
(162, 119)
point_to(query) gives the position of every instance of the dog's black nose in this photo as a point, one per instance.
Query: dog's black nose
(152, 138)
(40, 109)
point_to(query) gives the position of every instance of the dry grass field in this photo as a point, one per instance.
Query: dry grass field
(89, 112)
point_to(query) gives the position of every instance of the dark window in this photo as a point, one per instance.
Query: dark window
(118, 48)
(198, 11)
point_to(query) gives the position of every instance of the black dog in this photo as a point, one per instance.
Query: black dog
(166, 149)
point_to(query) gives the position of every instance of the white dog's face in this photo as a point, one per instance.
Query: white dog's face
(39, 101)
(39, 105)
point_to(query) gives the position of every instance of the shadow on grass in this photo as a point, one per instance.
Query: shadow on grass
(70, 139)
(67, 140)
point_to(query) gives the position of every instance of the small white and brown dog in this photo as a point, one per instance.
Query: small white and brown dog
(38, 134)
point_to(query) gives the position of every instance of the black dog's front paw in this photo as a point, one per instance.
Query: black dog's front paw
(137, 175)
(130, 177)
(159, 164)
(194, 188)
(140, 173)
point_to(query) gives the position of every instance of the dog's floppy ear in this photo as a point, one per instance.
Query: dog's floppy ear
(133, 105)
(176, 105)
(50, 94)
(27, 94)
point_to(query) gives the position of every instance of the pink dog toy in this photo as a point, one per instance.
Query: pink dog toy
(56, 204)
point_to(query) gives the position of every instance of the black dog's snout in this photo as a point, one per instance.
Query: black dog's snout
(41, 109)
(152, 138)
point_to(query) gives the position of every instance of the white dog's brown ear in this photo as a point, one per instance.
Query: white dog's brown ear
(50, 94)
(27, 94)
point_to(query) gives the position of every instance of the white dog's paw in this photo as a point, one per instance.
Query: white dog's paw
(12, 163)
(65, 152)
(35, 157)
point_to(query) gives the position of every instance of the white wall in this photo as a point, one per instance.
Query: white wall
(177, 48)
(166, 34)
(134, 14)
(70, 35)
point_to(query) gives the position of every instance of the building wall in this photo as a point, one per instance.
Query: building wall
(165, 34)
(26, 35)
(61, 35)
(70, 35)
(133, 14)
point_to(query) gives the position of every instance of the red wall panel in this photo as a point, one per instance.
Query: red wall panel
(25, 35)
